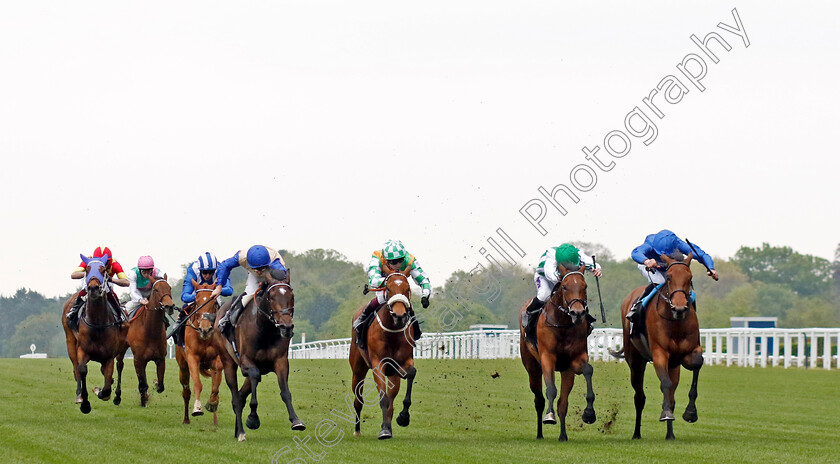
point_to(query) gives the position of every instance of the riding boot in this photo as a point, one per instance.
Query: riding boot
(227, 322)
(73, 314)
(533, 308)
(176, 327)
(359, 323)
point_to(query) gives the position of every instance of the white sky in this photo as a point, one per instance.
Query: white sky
(171, 128)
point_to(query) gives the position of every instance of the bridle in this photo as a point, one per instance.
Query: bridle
(194, 312)
(565, 306)
(398, 298)
(667, 286)
(161, 307)
(269, 313)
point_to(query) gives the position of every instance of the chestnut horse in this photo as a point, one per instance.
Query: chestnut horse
(99, 337)
(673, 339)
(203, 345)
(147, 336)
(389, 352)
(562, 329)
(262, 334)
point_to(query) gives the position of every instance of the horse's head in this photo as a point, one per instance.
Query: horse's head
(677, 284)
(569, 294)
(95, 279)
(398, 296)
(278, 304)
(161, 296)
(205, 313)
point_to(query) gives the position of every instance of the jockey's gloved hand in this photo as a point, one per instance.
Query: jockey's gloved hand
(425, 302)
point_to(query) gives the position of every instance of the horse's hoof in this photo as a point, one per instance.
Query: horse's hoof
(253, 422)
(666, 416)
(357, 434)
(241, 437)
(85, 407)
(670, 437)
(79, 399)
(403, 419)
(588, 416)
(690, 416)
(117, 400)
(384, 435)
(186, 421)
(549, 419)
(211, 407)
(197, 412)
(160, 389)
(298, 425)
(562, 438)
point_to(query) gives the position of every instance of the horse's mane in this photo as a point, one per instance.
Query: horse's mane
(570, 266)
(676, 255)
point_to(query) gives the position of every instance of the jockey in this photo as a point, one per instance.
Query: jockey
(548, 274)
(650, 263)
(260, 261)
(114, 271)
(393, 257)
(203, 271)
(140, 282)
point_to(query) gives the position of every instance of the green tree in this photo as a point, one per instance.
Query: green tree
(805, 274)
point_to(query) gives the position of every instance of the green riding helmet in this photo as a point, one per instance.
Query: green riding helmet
(393, 249)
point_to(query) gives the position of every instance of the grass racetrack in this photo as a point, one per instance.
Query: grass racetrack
(460, 413)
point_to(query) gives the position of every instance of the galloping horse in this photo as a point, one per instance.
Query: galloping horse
(147, 336)
(201, 355)
(562, 329)
(673, 339)
(99, 338)
(262, 333)
(390, 353)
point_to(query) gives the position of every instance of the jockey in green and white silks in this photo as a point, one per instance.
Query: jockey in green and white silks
(140, 282)
(393, 257)
(548, 274)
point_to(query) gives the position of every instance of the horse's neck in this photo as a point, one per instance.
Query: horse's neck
(97, 310)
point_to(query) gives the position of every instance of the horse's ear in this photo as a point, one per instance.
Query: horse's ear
(164, 276)
(105, 258)
(667, 259)
(194, 283)
(288, 277)
(689, 258)
(582, 268)
(85, 259)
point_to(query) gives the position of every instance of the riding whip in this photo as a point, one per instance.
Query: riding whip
(703, 262)
(598, 284)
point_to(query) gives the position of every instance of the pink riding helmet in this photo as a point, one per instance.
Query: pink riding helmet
(145, 262)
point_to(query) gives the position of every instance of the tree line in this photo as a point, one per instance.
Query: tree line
(799, 289)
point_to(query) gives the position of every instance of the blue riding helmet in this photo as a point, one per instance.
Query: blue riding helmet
(258, 257)
(665, 242)
(207, 262)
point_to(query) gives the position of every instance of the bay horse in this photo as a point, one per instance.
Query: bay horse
(673, 339)
(263, 333)
(562, 330)
(389, 353)
(200, 356)
(147, 336)
(99, 337)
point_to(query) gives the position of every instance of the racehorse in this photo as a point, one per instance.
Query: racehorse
(201, 353)
(262, 334)
(99, 337)
(389, 352)
(673, 339)
(147, 336)
(562, 329)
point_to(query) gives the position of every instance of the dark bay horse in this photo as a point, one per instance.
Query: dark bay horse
(262, 334)
(389, 352)
(203, 345)
(99, 338)
(673, 339)
(147, 336)
(562, 329)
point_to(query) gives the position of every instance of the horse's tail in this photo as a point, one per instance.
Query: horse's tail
(617, 354)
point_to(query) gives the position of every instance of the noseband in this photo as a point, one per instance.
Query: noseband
(670, 295)
(566, 306)
(161, 307)
(270, 312)
(191, 315)
(398, 298)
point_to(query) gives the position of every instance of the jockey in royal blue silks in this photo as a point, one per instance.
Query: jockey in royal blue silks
(650, 263)
(203, 271)
(261, 262)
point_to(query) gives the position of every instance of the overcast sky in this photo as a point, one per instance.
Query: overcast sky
(173, 128)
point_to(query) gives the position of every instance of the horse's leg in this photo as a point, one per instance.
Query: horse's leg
(405, 418)
(236, 400)
(663, 372)
(281, 368)
(161, 370)
(252, 379)
(72, 353)
(386, 403)
(588, 413)
(118, 391)
(360, 370)
(693, 362)
(548, 361)
(532, 366)
(107, 370)
(142, 384)
(567, 381)
(195, 375)
(216, 379)
(637, 380)
(81, 385)
(184, 379)
(674, 377)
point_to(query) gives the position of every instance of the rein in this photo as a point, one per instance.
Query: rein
(196, 310)
(670, 295)
(568, 304)
(270, 313)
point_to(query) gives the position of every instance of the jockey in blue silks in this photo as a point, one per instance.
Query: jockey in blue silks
(203, 271)
(261, 262)
(652, 267)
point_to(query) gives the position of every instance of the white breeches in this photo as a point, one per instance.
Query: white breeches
(543, 287)
(657, 276)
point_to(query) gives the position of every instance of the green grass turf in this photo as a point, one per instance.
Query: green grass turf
(460, 414)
